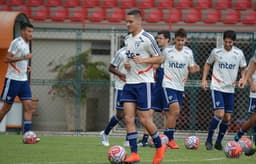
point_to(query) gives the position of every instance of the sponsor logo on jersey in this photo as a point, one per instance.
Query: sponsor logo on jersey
(176, 65)
(226, 65)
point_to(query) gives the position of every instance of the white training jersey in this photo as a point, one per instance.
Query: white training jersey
(144, 45)
(18, 70)
(225, 68)
(118, 61)
(176, 64)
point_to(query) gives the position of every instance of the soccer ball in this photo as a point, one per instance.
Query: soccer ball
(164, 140)
(29, 137)
(192, 142)
(246, 144)
(233, 149)
(116, 154)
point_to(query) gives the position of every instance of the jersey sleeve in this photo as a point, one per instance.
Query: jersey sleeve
(243, 60)
(211, 58)
(116, 59)
(153, 48)
(191, 61)
(13, 49)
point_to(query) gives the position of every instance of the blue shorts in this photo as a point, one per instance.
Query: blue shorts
(252, 105)
(157, 97)
(118, 95)
(157, 91)
(13, 88)
(139, 94)
(172, 96)
(222, 100)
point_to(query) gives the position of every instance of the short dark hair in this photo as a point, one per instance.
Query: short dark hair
(135, 12)
(25, 25)
(229, 34)
(181, 33)
(165, 33)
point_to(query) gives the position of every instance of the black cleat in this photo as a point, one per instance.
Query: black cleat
(250, 152)
(208, 145)
(218, 146)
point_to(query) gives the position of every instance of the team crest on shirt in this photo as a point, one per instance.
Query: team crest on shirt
(137, 44)
(217, 103)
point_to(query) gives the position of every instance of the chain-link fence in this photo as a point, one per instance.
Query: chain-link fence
(90, 105)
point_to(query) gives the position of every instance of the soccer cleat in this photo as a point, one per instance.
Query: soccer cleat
(237, 137)
(159, 154)
(208, 145)
(104, 139)
(218, 146)
(38, 139)
(250, 152)
(172, 145)
(134, 158)
(126, 144)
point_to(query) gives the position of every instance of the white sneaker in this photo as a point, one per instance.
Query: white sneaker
(104, 138)
(126, 144)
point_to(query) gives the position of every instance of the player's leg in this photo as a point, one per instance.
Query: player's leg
(114, 120)
(144, 141)
(229, 107)
(171, 116)
(218, 107)
(129, 115)
(246, 126)
(250, 122)
(8, 95)
(145, 116)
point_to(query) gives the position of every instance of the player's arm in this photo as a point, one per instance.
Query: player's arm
(150, 60)
(206, 70)
(116, 72)
(247, 74)
(9, 58)
(252, 85)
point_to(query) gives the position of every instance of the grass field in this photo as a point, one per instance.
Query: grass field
(88, 150)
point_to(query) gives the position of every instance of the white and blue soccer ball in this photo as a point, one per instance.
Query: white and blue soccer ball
(192, 142)
(116, 154)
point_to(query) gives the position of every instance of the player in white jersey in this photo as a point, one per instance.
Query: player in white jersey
(251, 77)
(143, 52)
(163, 41)
(178, 62)
(226, 62)
(16, 79)
(117, 68)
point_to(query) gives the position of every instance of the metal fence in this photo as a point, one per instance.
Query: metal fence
(54, 47)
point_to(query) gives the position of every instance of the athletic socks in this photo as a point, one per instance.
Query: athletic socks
(112, 123)
(213, 125)
(222, 131)
(169, 133)
(156, 139)
(145, 138)
(27, 126)
(132, 138)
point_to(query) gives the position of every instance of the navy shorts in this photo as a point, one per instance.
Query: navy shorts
(139, 94)
(13, 88)
(223, 100)
(172, 96)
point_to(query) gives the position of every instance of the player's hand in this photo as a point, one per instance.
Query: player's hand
(253, 88)
(204, 84)
(241, 83)
(127, 65)
(122, 77)
(138, 60)
(28, 56)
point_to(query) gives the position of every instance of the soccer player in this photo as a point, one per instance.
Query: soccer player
(117, 68)
(226, 62)
(16, 79)
(142, 52)
(178, 63)
(163, 40)
(250, 76)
